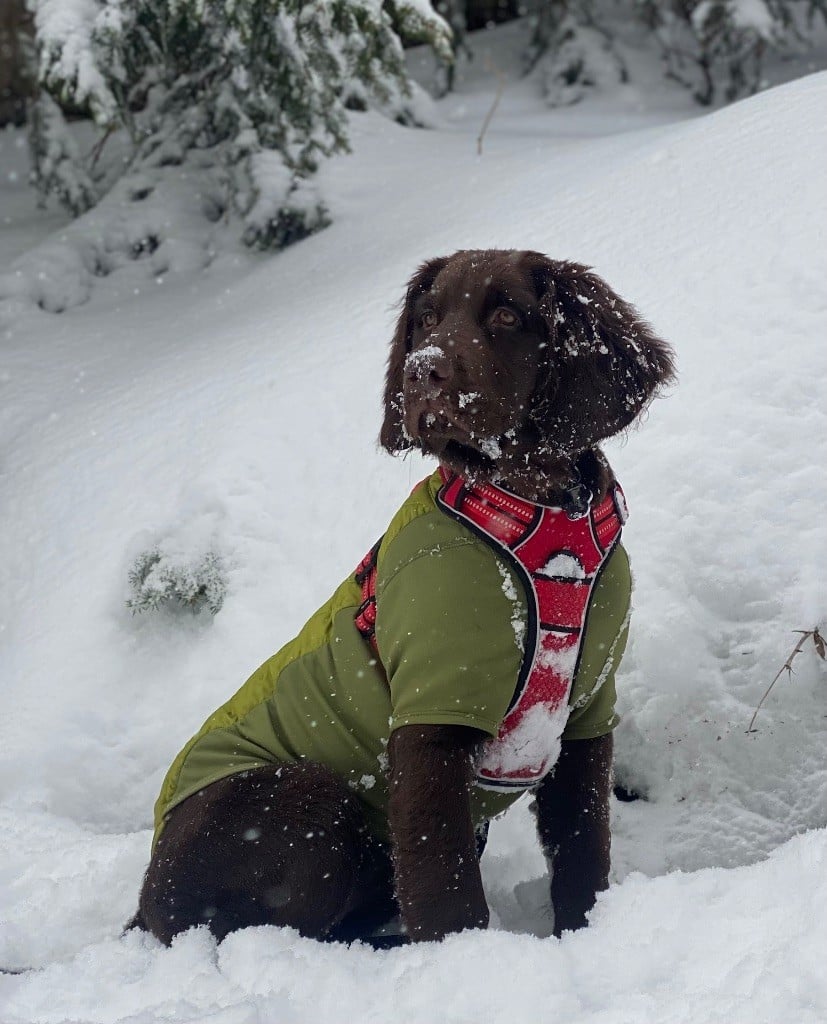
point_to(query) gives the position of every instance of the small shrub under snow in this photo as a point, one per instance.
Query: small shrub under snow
(158, 579)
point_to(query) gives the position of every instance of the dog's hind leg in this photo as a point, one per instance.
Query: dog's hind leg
(284, 845)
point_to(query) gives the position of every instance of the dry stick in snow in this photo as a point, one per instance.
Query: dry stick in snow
(500, 87)
(97, 149)
(818, 643)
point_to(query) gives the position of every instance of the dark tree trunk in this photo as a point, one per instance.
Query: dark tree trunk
(16, 47)
(479, 13)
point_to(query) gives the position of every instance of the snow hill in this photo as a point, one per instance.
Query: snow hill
(235, 408)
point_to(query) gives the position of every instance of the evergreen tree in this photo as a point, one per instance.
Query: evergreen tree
(259, 88)
(575, 51)
(715, 48)
(57, 165)
(454, 13)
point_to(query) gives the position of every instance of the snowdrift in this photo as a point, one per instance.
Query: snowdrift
(235, 409)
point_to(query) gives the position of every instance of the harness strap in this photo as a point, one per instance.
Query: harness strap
(558, 556)
(365, 576)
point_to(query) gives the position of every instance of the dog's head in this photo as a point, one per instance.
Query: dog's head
(505, 361)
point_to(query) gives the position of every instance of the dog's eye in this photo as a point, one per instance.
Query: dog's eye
(504, 317)
(428, 320)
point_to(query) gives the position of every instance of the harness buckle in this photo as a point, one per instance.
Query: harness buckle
(579, 501)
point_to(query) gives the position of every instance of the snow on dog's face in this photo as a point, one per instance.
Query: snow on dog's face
(504, 360)
(471, 363)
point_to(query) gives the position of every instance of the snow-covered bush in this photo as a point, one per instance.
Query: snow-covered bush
(157, 578)
(258, 87)
(714, 48)
(578, 54)
(57, 166)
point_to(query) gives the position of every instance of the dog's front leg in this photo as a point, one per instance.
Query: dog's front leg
(437, 870)
(572, 809)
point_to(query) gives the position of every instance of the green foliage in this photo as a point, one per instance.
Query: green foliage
(157, 580)
(714, 48)
(415, 23)
(241, 81)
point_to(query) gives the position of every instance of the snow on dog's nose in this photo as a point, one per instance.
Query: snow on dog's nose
(428, 365)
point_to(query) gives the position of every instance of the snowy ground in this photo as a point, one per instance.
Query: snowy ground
(233, 404)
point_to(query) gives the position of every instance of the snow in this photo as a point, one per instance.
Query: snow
(711, 946)
(423, 360)
(531, 745)
(560, 656)
(235, 400)
(65, 28)
(564, 566)
(518, 622)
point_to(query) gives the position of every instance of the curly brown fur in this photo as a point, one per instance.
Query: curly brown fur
(521, 401)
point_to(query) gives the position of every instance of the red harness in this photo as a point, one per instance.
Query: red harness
(558, 557)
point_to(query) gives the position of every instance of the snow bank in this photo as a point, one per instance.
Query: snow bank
(714, 946)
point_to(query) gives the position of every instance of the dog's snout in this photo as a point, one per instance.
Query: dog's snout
(428, 365)
(440, 371)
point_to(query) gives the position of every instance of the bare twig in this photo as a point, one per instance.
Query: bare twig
(501, 80)
(818, 643)
(97, 149)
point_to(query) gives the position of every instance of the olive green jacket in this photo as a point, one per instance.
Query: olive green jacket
(450, 616)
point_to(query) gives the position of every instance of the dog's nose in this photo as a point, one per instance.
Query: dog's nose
(440, 371)
(429, 364)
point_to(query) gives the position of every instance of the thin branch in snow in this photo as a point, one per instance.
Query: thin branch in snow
(818, 643)
(501, 80)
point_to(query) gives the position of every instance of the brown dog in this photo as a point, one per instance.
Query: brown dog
(509, 368)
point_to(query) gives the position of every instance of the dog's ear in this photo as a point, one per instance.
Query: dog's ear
(392, 435)
(604, 362)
